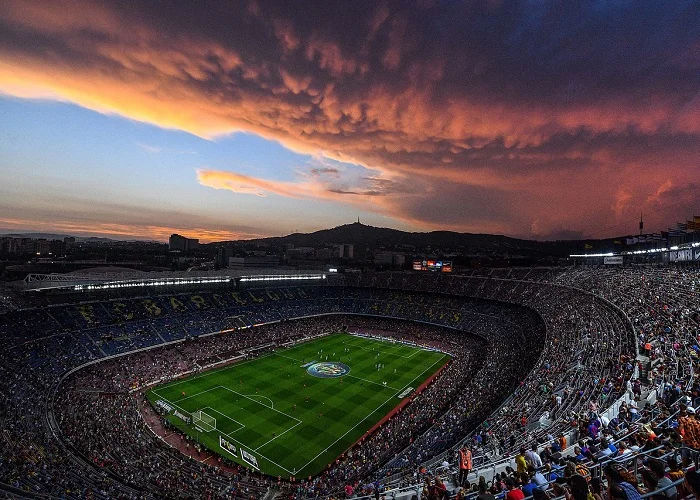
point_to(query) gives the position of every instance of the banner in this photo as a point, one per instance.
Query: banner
(167, 408)
(433, 265)
(405, 392)
(182, 417)
(227, 446)
(683, 255)
(249, 458)
(615, 260)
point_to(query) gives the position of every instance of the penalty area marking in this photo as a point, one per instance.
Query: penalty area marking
(250, 396)
(243, 445)
(242, 425)
(255, 401)
(193, 395)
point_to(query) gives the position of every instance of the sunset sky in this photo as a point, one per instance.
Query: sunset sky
(233, 119)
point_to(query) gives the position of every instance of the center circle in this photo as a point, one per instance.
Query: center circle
(328, 369)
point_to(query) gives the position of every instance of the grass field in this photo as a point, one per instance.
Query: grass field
(278, 416)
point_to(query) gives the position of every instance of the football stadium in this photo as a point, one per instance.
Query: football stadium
(347, 249)
(239, 385)
(291, 411)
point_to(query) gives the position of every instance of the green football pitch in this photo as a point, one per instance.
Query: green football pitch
(291, 412)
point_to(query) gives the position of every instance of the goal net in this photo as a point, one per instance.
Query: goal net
(204, 421)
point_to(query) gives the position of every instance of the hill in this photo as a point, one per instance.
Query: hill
(364, 236)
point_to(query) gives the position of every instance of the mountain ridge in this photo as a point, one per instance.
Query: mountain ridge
(376, 237)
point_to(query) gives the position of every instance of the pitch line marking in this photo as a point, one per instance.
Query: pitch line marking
(350, 376)
(255, 401)
(194, 395)
(389, 353)
(227, 417)
(370, 382)
(206, 373)
(397, 344)
(244, 445)
(272, 405)
(366, 417)
(271, 440)
(288, 357)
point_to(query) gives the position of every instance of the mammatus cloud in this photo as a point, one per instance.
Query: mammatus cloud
(510, 117)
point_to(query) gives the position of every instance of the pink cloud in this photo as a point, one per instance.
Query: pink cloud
(543, 124)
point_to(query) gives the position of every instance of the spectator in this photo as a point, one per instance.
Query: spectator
(618, 486)
(532, 457)
(521, 462)
(513, 492)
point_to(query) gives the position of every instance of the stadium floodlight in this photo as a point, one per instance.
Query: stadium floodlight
(204, 421)
(593, 255)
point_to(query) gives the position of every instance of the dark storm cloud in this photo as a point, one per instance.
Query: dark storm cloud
(528, 117)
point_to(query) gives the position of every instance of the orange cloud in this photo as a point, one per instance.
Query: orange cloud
(514, 133)
(243, 184)
(370, 195)
(123, 231)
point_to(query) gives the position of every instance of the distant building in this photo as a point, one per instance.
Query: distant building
(344, 251)
(18, 245)
(182, 244)
(265, 261)
(299, 253)
(42, 246)
(389, 259)
(324, 254)
(223, 254)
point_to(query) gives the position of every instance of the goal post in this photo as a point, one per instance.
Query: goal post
(204, 421)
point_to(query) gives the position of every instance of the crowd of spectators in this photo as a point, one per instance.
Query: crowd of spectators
(567, 352)
(646, 444)
(47, 358)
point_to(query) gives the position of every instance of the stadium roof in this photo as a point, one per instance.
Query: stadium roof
(128, 278)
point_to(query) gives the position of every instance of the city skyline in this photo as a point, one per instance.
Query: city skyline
(237, 120)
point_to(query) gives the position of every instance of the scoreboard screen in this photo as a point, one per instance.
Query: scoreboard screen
(438, 266)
